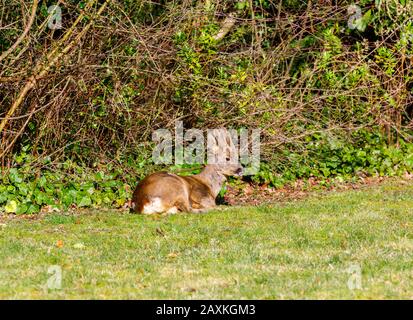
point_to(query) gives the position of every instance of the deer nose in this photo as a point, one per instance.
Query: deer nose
(239, 171)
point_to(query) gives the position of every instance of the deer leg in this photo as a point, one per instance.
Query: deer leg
(205, 205)
(183, 206)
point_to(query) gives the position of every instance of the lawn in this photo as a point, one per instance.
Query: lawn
(352, 244)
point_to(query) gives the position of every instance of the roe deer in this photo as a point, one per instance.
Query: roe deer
(164, 192)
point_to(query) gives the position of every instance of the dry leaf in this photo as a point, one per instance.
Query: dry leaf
(172, 255)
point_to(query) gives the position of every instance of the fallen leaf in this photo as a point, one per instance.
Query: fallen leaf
(49, 209)
(248, 190)
(172, 255)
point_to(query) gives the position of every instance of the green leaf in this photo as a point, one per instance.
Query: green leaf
(23, 189)
(42, 181)
(33, 208)
(11, 206)
(241, 5)
(22, 208)
(85, 202)
(361, 24)
(15, 178)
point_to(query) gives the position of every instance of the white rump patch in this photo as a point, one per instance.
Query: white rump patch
(155, 206)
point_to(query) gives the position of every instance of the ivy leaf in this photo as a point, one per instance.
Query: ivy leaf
(42, 181)
(21, 208)
(85, 201)
(23, 189)
(362, 23)
(11, 206)
(241, 5)
(14, 176)
(33, 208)
(4, 196)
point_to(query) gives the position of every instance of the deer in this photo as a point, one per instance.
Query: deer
(168, 193)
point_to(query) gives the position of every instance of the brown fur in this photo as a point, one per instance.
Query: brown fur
(166, 192)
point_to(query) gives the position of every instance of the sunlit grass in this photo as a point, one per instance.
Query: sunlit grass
(302, 249)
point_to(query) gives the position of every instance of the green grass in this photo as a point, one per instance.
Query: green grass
(299, 249)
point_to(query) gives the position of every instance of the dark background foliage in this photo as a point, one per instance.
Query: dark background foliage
(330, 100)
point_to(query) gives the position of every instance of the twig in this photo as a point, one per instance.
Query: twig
(23, 35)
